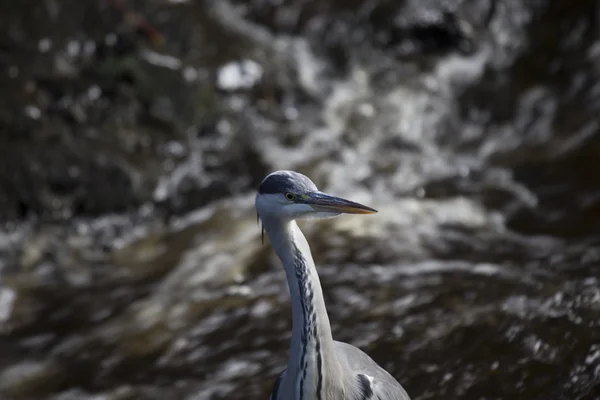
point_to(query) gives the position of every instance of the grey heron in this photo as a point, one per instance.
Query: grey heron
(319, 367)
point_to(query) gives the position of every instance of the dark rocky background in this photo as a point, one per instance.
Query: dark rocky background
(132, 137)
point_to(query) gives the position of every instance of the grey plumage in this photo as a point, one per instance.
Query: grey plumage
(319, 368)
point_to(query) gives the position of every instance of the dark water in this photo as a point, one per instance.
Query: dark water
(133, 135)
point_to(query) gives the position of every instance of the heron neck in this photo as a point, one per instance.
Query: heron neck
(312, 352)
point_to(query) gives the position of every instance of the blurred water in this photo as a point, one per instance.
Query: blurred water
(130, 259)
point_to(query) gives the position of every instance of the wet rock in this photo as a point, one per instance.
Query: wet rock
(7, 300)
(128, 167)
(31, 379)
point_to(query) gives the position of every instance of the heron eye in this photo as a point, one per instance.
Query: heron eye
(290, 196)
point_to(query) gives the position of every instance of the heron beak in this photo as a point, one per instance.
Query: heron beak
(324, 202)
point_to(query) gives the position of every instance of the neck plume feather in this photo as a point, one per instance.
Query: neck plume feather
(312, 354)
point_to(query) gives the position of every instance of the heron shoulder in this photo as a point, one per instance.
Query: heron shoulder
(368, 378)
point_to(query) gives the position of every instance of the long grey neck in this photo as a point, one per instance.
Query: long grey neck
(312, 358)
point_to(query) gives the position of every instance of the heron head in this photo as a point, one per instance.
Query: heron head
(291, 195)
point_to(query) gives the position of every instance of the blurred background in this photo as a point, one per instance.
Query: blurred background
(134, 133)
